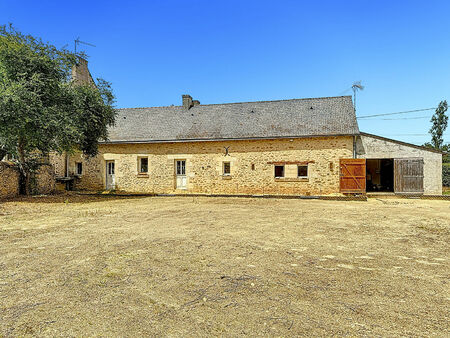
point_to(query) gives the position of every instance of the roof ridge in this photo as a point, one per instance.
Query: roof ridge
(228, 103)
(283, 100)
(172, 106)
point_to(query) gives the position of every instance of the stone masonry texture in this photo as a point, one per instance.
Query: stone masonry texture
(251, 169)
(9, 180)
(43, 181)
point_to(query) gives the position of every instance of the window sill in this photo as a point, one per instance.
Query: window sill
(226, 177)
(143, 175)
(291, 179)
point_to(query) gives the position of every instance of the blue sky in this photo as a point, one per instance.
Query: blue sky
(231, 51)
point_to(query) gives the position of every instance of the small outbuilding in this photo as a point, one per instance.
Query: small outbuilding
(399, 167)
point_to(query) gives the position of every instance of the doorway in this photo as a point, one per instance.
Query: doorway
(180, 173)
(110, 175)
(380, 175)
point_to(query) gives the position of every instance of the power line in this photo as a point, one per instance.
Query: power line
(405, 118)
(396, 113)
(345, 91)
(413, 134)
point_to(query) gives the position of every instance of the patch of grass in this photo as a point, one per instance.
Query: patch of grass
(445, 190)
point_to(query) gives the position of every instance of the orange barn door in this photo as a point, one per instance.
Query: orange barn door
(353, 176)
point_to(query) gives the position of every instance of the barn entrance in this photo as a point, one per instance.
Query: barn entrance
(399, 175)
(380, 175)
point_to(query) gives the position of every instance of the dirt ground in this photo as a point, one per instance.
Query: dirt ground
(183, 266)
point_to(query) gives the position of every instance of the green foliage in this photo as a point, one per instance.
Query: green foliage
(94, 113)
(446, 159)
(439, 123)
(446, 174)
(41, 110)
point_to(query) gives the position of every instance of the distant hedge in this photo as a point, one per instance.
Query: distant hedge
(446, 174)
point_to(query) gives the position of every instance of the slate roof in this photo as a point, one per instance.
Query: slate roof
(245, 120)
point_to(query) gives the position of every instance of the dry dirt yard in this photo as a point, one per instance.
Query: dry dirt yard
(183, 266)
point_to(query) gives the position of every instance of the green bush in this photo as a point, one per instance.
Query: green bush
(446, 174)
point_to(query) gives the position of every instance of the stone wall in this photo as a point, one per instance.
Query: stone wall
(43, 181)
(251, 169)
(377, 148)
(59, 164)
(81, 74)
(88, 180)
(9, 180)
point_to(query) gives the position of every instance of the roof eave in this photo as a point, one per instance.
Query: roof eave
(224, 139)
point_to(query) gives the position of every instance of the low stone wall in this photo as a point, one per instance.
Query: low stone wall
(9, 180)
(43, 181)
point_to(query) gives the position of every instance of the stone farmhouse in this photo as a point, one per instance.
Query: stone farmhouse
(307, 146)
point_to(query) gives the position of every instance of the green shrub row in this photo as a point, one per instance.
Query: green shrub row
(446, 174)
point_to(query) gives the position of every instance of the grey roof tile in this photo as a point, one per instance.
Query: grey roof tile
(246, 120)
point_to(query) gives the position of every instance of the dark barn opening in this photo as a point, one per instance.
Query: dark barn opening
(380, 175)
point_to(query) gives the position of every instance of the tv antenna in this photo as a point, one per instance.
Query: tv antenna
(356, 86)
(78, 41)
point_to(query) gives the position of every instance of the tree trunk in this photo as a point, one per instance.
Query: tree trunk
(24, 170)
(2, 153)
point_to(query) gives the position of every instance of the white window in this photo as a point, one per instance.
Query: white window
(181, 167)
(226, 168)
(279, 171)
(302, 171)
(143, 165)
(111, 168)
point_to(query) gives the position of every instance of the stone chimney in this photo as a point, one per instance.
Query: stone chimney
(187, 101)
(81, 74)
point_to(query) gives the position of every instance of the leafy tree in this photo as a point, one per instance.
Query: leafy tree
(439, 123)
(41, 109)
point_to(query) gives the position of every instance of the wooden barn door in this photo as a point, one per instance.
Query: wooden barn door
(408, 175)
(353, 176)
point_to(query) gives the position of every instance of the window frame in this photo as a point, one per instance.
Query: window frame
(140, 172)
(111, 168)
(180, 167)
(224, 164)
(283, 170)
(79, 165)
(307, 170)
